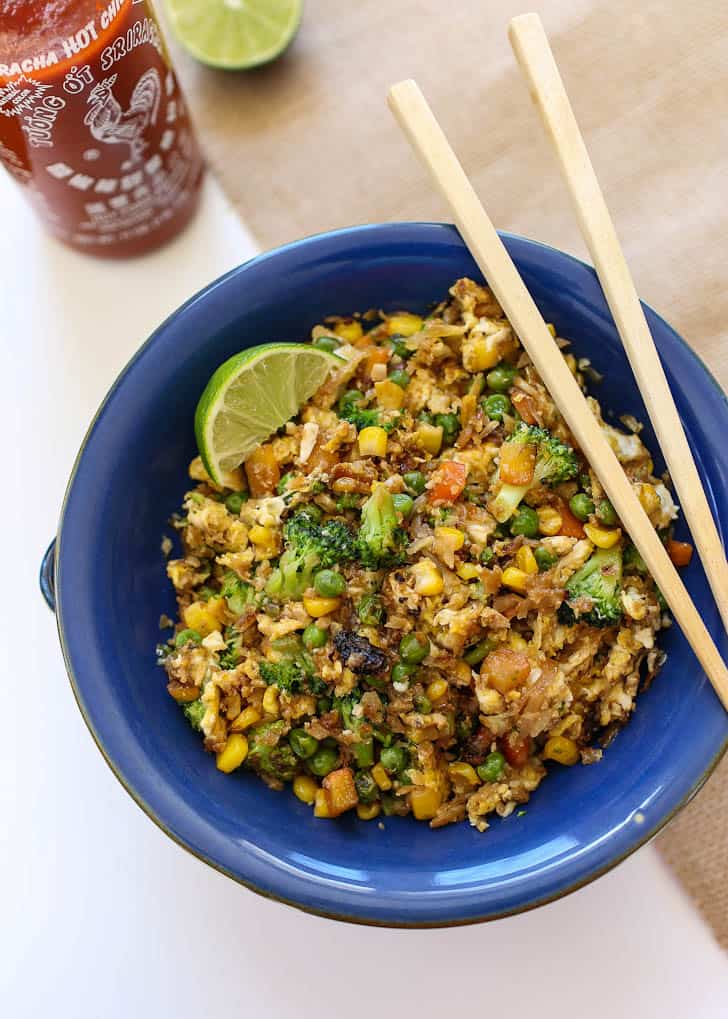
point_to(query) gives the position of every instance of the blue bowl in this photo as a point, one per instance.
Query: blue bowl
(111, 587)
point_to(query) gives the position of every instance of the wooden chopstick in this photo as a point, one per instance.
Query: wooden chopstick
(428, 140)
(536, 60)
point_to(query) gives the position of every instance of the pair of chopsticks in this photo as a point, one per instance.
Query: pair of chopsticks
(427, 138)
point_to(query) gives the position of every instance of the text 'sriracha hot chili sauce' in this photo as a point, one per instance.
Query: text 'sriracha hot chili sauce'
(92, 123)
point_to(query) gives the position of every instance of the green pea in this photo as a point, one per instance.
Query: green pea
(423, 704)
(303, 744)
(415, 481)
(525, 521)
(401, 672)
(581, 506)
(323, 704)
(412, 650)
(492, 768)
(486, 556)
(329, 584)
(394, 759)
(363, 753)
(403, 503)
(400, 378)
(475, 654)
(234, 502)
(329, 343)
(283, 483)
(496, 406)
(500, 379)
(323, 761)
(185, 636)
(606, 513)
(366, 787)
(314, 636)
(544, 558)
(450, 427)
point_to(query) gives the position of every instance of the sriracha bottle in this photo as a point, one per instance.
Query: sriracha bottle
(93, 126)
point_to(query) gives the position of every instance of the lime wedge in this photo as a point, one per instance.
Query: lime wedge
(235, 34)
(251, 395)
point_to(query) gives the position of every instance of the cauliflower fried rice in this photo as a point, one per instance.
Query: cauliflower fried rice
(415, 597)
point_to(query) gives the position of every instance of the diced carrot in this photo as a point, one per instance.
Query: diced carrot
(376, 355)
(517, 463)
(340, 791)
(571, 526)
(516, 749)
(681, 552)
(448, 481)
(525, 406)
(263, 472)
(504, 669)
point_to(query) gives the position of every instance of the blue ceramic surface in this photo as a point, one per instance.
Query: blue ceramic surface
(111, 588)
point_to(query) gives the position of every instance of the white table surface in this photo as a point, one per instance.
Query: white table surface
(102, 916)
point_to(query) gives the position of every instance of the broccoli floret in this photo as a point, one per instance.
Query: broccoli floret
(237, 593)
(309, 546)
(633, 561)
(380, 540)
(555, 462)
(269, 754)
(350, 409)
(193, 712)
(599, 581)
(295, 672)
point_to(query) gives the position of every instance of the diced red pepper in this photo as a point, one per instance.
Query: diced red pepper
(517, 463)
(681, 552)
(571, 526)
(448, 481)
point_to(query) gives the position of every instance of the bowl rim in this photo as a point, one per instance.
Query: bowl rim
(350, 232)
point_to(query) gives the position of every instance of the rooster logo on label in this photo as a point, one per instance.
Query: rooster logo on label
(110, 123)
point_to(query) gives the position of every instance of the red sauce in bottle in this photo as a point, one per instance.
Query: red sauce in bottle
(93, 125)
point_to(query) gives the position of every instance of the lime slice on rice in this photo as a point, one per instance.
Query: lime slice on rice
(251, 395)
(235, 34)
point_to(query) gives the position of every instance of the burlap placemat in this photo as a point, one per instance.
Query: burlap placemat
(307, 144)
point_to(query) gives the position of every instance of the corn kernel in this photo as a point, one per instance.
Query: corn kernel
(381, 777)
(270, 701)
(389, 394)
(451, 537)
(525, 560)
(233, 753)
(183, 694)
(205, 617)
(517, 642)
(424, 802)
(429, 438)
(262, 535)
(549, 520)
(428, 579)
(480, 353)
(305, 788)
(571, 362)
(246, 718)
(317, 606)
(468, 571)
(463, 672)
(367, 811)
(562, 750)
(551, 328)
(602, 537)
(648, 497)
(437, 690)
(350, 331)
(373, 441)
(321, 805)
(515, 579)
(463, 774)
(404, 324)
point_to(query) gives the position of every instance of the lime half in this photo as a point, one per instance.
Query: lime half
(235, 34)
(251, 395)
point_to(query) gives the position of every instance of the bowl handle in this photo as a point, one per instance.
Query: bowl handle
(46, 578)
